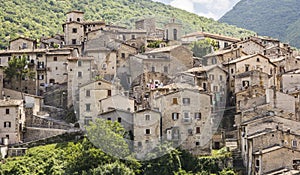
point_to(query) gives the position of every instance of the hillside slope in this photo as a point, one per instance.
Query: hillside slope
(275, 18)
(33, 18)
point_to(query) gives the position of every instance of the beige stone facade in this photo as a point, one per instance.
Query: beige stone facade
(186, 119)
(146, 131)
(12, 120)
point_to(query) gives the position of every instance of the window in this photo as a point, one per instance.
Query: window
(79, 63)
(186, 101)
(175, 116)
(109, 118)
(186, 114)
(41, 77)
(215, 88)
(88, 107)
(147, 131)
(147, 116)
(78, 19)
(175, 102)
(132, 36)
(294, 143)
(108, 93)
(214, 60)
(87, 120)
(79, 74)
(124, 37)
(198, 130)
(175, 34)
(165, 69)
(74, 30)
(88, 93)
(7, 124)
(197, 143)
(225, 44)
(257, 60)
(74, 41)
(119, 119)
(257, 163)
(24, 45)
(153, 69)
(122, 55)
(7, 111)
(221, 78)
(139, 144)
(198, 115)
(232, 71)
(247, 67)
(211, 77)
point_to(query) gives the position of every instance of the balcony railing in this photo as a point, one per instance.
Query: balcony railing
(187, 120)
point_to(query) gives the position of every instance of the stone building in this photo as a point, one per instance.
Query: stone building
(186, 118)
(22, 43)
(90, 95)
(116, 102)
(147, 131)
(173, 30)
(81, 70)
(221, 40)
(12, 125)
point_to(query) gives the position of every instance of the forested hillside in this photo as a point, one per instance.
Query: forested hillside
(33, 18)
(276, 18)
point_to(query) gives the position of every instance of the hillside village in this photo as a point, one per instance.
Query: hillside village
(244, 95)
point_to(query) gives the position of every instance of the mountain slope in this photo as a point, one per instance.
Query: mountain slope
(33, 18)
(275, 18)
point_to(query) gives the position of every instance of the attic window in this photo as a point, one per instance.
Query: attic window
(257, 60)
(78, 19)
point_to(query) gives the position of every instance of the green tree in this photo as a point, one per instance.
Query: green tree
(203, 47)
(18, 69)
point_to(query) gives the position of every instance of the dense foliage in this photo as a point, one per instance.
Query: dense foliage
(276, 18)
(45, 17)
(83, 157)
(203, 47)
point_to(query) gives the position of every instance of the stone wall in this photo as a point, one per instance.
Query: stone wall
(32, 134)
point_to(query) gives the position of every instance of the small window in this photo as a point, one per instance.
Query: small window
(294, 143)
(175, 116)
(175, 101)
(139, 144)
(186, 114)
(211, 77)
(132, 36)
(198, 130)
(215, 88)
(221, 78)
(7, 111)
(79, 63)
(232, 71)
(147, 117)
(119, 119)
(257, 60)
(88, 107)
(74, 30)
(186, 101)
(165, 69)
(78, 19)
(7, 124)
(79, 74)
(153, 69)
(198, 115)
(108, 93)
(148, 131)
(122, 55)
(257, 163)
(197, 143)
(109, 118)
(88, 93)
(54, 58)
(74, 41)
(247, 67)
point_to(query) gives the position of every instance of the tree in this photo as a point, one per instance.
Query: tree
(18, 69)
(203, 47)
